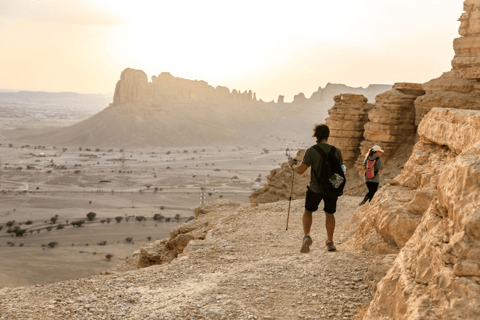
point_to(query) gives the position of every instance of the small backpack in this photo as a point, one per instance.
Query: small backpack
(371, 168)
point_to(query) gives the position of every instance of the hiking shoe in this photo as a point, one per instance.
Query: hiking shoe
(306, 243)
(361, 203)
(330, 246)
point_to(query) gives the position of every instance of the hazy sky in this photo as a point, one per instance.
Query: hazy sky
(270, 47)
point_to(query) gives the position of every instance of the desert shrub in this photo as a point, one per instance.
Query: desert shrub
(20, 245)
(109, 220)
(77, 223)
(29, 222)
(149, 238)
(10, 223)
(177, 217)
(129, 240)
(158, 217)
(140, 218)
(1, 227)
(54, 219)
(60, 226)
(91, 216)
(190, 218)
(103, 221)
(49, 228)
(53, 244)
(20, 232)
(109, 256)
(10, 244)
(102, 243)
(76, 171)
(118, 219)
(168, 219)
(127, 218)
(162, 207)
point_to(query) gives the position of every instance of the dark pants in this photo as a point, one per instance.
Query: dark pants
(372, 188)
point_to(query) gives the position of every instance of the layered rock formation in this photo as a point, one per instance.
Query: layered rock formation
(392, 120)
(430, 216)
(346, 122)
(279, 184)
(458, 88)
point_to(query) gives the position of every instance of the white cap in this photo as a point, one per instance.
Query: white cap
(377, 148)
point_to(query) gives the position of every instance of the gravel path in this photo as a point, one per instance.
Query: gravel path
(248, 267)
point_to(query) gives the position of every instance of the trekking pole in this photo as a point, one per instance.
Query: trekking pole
(287, 153)
(290, 200)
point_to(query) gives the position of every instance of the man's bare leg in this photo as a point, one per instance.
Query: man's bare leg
(330, 225)
(307, 224)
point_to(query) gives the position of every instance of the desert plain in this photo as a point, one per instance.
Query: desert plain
(46, 188)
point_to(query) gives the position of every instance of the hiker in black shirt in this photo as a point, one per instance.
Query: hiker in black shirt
(315, 194)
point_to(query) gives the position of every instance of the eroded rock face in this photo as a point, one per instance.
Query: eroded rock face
(458, 88)
(392, 120)
(436, 274)
(133, 87)
(279, 183)
(346, 123)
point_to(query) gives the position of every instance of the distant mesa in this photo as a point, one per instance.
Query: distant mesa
(168, 111)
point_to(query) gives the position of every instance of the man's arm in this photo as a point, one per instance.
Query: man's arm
(299, 169)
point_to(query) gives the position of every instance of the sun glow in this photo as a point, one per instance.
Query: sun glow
(271, 47)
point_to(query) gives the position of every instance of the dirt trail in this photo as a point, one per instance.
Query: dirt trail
(248, 267)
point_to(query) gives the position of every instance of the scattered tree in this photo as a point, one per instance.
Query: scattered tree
(177, 217)
(102, 243)
(53, 219)
(118, 219)
(20, 232)
(149, 238)
(29, 222)
(140, 218)
(91, 216)
(49, 228)
(128, 240)
(158, 217)
(60, 226)
(109, 256)
(53, 244)
(108, 220)
(77, 223)
(10, 223)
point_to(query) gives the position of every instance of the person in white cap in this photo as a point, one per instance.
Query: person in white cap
(372, 165)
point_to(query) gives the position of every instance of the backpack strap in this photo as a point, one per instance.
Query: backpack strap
(329, 157)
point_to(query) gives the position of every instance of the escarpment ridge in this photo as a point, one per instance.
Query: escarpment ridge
(171, 111)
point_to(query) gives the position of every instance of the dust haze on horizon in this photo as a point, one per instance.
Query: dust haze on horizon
(270, 47)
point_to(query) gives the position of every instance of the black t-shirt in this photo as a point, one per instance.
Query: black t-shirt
(313, 159)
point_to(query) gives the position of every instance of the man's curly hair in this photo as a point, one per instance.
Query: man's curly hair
(321, 131)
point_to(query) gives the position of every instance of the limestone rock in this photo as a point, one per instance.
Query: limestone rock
(346, 122)
(280, 99)
(435, 275)
(458, 88)
(278, 184)
(392, 120)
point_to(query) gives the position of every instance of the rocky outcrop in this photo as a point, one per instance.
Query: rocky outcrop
(458, 88)
(279, 181)
(429, 216)
(346, 122)
(165, 250)
(392, 120)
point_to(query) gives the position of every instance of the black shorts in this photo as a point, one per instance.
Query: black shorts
(313, 200)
